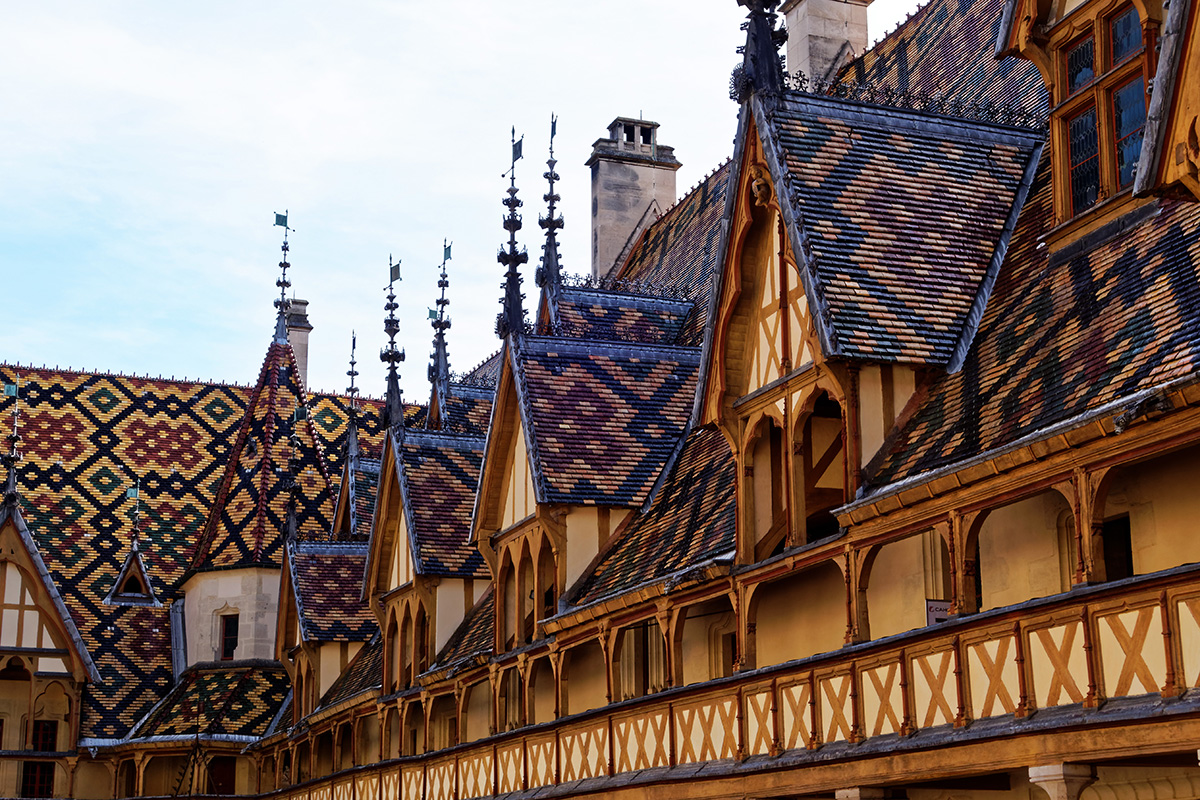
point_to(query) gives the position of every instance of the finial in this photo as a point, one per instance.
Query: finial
(282, 304)
(761, 70)
(135, 493)
(439, 369)
(352, 393)
(393, 408)
(549, 273)
(511, 320)
(12, 458)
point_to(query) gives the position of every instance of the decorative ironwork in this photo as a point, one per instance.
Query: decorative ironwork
(282, 305)
(550, 270)
(762, 69)
(12, 458)
(392, 414)
(439, 368)
(940, 104)
(511, 320)
(662, 291)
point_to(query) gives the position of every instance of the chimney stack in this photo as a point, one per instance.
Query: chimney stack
(633, 181)
(298, 329)
(824, 35)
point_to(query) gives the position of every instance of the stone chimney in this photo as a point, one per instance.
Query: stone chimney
(824, 35)
(298, 329)
(633, 180)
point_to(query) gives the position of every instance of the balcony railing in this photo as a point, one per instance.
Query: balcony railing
(1136, 637)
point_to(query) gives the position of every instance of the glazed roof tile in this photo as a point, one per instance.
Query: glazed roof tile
(691, 520)
(1063, 336)
(363, 673)
(618, 316)
(441, 474)
(680, 250)
(905, 217)
(85, 437)
(475, 636)
(603, 418)
(327, 579)
(238, 699)
(468, 410)
(246, 523)
(484, 373)
(947, 49)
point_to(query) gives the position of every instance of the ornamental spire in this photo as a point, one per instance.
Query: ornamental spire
(282, 304)
(393, 407)
(511, 320)
(352, 393)
(550, 273)
(761, 71)
(439, 369)
(12, 458)
(135, 493)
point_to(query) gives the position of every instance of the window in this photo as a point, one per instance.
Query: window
(37, 779)
(45, 735)
(229, 636)
(1101, 110)
(1118, 548)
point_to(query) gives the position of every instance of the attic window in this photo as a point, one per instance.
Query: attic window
(134, 586)
(629, 133)
(647, 135)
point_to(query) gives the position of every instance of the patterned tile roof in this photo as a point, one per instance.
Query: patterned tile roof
(364, 672)
(85, 437)
(238, 699)
(1062, 337)
(468, 409)
(327, 578)
(680, 250)
(905, 216)
(247, 522)
(365, 481)
(691, 520)
(441, 474)
(596, 314)
(603, 418)
(947, 49)
(475, 636)
(482, 374)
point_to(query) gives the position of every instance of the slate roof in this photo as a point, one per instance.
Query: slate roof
(84, 438)
(219, 700)
(246, 523)
(681, 250)
(468, 409)
(364, 481)
(903, 217)
(691, 520)
(947, 49)
(441, 475)
(1062, 337)
(484, 373)
(603, 418)
(363, 673)
(475, 636)
(326, 578)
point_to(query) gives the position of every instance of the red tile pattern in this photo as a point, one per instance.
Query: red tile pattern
(441, 474)
(327, 579)
(603, 417)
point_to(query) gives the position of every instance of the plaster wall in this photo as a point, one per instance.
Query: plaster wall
(1160, 499)
(478, 711)
(334, 656)
(896, 591)
(449, 609)
(583, 540)
(401, 570)
(520, 501)
(701, 640)
(1019, 553)
(93, 781)
(252, 594)
(585, 683)
(800, 615)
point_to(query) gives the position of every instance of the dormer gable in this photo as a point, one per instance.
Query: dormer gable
(390, 555)
(34, 616)
(133, 586)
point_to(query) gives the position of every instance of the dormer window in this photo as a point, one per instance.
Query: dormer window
(1101, 110)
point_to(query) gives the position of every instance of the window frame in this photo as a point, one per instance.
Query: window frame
(224, 636)
(1109, 76)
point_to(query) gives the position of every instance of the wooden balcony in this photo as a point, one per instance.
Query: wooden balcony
(1047, 666)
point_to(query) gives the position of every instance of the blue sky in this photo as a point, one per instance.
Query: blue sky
(145, 146)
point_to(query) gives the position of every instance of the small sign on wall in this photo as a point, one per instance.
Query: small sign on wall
(936, 611)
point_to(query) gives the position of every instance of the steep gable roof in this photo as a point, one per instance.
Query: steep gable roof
(246, 524)
(1066, 337)
(231, 702)
(326, 578)
(592, 313)
(439, 481)
(691, 520)
(902, 218)
(474, 637)
(603, 417)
